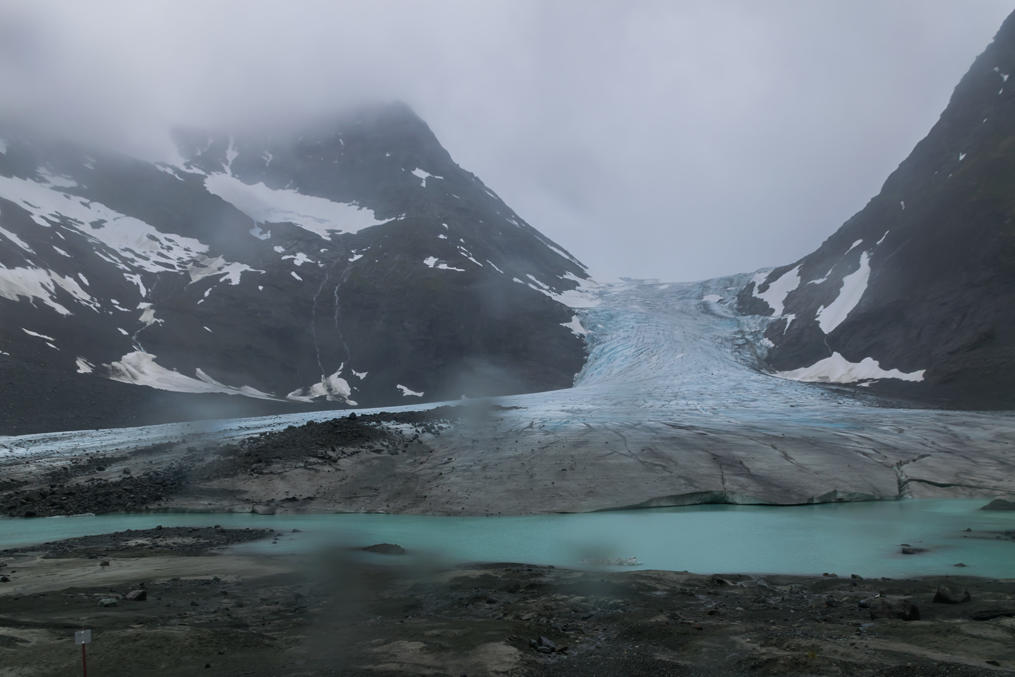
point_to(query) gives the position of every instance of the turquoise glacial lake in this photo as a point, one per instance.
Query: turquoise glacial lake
(844, 538)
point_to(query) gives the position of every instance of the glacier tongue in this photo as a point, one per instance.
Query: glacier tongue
(668, 410)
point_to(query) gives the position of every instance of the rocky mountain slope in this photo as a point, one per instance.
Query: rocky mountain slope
(349, 262)
(913, 294)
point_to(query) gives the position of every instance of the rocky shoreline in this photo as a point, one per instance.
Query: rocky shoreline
(179, 602)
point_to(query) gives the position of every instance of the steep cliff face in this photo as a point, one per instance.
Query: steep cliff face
(913, 294)
(350, 262)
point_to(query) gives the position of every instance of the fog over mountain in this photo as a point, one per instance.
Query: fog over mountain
(658, 139)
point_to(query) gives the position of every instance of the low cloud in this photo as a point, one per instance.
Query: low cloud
(652, 139)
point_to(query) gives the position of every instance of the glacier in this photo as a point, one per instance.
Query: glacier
(669, 409)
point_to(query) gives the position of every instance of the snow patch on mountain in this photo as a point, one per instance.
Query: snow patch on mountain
(575, 325)
(147, 317)
(37, 335)
(38, 284)
(272, 205)
(15, 239)
(333, 388)
(218, 267)
(853, 286)
(135, 241)
(408, 392)
(260, 233)
(423, 175)
(84, 366)
(779, 289)
(837, 369)
(140, 368)
(298, 259)
(585, 295)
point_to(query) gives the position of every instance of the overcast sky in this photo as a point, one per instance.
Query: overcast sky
(670, 139)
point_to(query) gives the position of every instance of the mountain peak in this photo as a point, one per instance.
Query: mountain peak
(345, 262)
(912, 294)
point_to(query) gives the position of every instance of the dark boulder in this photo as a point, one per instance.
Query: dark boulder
(946, 595)
(138, 595)
(385, 549)
(999, 504)
(900, 609)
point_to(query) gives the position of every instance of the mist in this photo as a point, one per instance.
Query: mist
(651, 139)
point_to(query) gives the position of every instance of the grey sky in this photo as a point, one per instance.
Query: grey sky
(671, 139)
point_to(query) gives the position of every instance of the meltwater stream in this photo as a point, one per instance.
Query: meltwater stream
(845, 538)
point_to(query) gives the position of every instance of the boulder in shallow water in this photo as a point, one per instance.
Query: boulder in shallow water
(999, 504)
(385, 549)
(139, 595)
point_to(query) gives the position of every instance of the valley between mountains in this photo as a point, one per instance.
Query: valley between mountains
(668, 410)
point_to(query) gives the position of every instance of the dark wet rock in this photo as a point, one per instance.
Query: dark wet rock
(900, 609)
(5, 579)
(263, 510)
(385, 549)
(999, 504)
(946, 595)
(961, 565)
(544, 645)
(907, 549)
(991, 614)
(135, 543)
(138, 595)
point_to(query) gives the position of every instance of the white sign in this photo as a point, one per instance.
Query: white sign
(83, 637)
